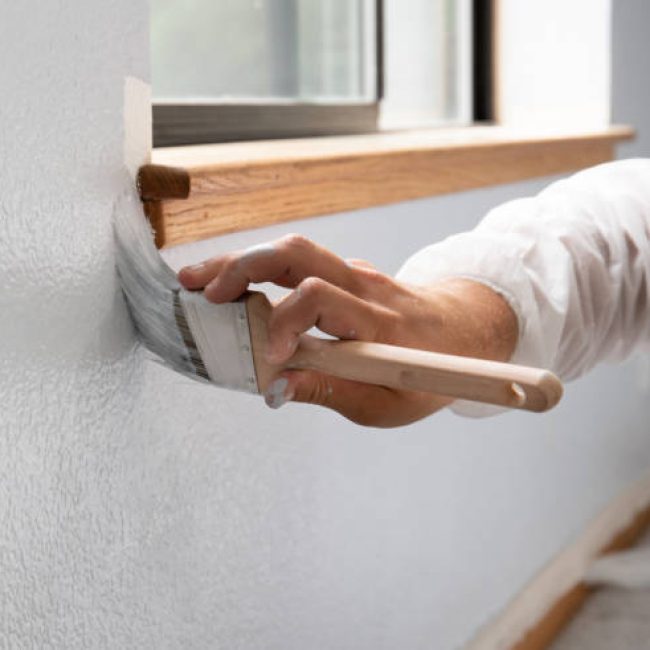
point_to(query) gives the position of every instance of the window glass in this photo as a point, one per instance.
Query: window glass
(427, 72)
(264, 50)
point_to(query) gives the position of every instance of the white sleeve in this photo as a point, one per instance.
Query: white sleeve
(573, 262)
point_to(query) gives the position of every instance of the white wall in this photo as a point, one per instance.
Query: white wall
(141, 510)
(553, 63)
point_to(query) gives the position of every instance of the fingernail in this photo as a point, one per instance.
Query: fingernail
(277, 394)
(195, 268)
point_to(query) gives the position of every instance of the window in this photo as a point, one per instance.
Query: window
(226, 70)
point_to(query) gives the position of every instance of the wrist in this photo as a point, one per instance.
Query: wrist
(479, 319)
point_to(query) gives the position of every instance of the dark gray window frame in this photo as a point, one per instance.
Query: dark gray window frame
(483, 12)
(182, 124)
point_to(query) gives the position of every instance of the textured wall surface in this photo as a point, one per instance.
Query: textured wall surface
(140, 510)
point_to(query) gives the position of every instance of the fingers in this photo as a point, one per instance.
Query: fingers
(198, 275)
(364, 404)
(255, 261)
(361, 403)
(316, 303)
(358, 402)
(285, 262)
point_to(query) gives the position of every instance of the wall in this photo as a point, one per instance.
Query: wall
(631, 56)
(140, 510)
(552, 63)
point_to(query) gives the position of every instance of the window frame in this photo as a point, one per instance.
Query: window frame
(204, 122)
(483, 60)
(197, 192)
(176, 124)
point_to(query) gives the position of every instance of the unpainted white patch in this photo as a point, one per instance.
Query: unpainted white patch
(276, 395)
(137, 124)
(259, 250)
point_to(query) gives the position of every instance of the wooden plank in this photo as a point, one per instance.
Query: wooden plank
(560, 615)
(249, 185)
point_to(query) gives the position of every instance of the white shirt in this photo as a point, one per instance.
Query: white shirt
(572, 262)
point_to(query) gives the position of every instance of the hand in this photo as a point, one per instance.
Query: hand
(352, 300)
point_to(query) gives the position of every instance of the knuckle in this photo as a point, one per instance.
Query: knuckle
(311, 287)
(294, 241)
(390, 325)
(376, 277)
(230, 264)
(370, 281)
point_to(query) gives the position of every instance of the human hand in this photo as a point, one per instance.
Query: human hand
(353, 300)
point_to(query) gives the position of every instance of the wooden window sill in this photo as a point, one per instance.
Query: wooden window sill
(231, 187)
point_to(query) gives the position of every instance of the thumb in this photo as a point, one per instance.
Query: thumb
(364, 404)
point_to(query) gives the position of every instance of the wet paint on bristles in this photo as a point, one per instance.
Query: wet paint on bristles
(152, 291)
(188, 337)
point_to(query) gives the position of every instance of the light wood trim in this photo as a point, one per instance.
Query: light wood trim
(560, 615)
(253, 184)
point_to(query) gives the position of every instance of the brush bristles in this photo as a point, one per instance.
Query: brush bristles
(188, 337)
(152, 291)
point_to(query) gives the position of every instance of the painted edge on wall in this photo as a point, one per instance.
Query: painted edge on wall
(559, 579)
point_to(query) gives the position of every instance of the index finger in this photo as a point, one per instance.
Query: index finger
(285, 262)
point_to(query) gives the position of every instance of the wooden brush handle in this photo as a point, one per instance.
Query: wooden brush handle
(492, 382)
(478, 380)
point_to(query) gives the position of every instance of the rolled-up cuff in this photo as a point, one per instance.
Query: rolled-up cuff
(481, 257)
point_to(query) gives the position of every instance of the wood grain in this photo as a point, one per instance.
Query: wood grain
(156, 182)
(248, 185)
(561, 614)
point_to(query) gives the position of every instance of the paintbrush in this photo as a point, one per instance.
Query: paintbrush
(225, 344)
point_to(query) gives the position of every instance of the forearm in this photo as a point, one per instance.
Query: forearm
(573, 263)
(479, 322)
